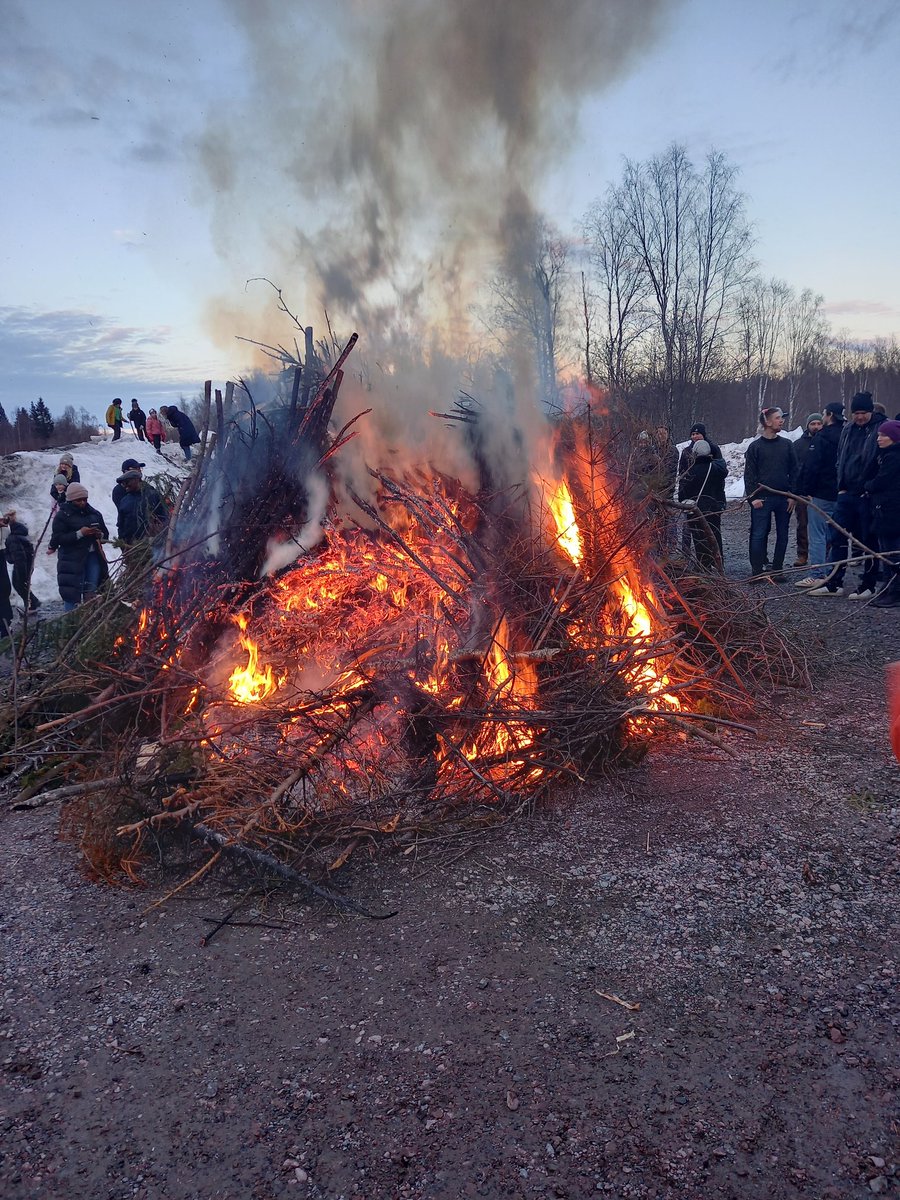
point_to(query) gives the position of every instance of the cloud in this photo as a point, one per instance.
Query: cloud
(867, 308)
(73, 356)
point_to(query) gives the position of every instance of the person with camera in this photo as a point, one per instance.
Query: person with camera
(77, 535)
(701, 490)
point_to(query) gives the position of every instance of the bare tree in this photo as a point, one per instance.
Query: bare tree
(530, 303)
(622, 287)
(673, 243)
(805, 339)
(760, 322)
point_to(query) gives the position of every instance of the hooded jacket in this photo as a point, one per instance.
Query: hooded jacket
(884, 489)
(141, 514)
(704, 481)
(856, 453)
(73, 549)
(187, 434)
(818, 477)
(71, 474)
(19, 550)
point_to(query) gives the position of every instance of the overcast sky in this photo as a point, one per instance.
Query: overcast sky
(129, 234)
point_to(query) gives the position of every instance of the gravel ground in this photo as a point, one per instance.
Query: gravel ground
(745, 903)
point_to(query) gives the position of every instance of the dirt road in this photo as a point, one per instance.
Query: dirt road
(473, 1045)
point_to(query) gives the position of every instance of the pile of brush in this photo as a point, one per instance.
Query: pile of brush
(294, 681)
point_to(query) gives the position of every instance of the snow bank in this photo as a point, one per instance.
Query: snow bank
(25, 480)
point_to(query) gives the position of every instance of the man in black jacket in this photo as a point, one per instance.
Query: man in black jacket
(802, 447)
(770, 463)
(853, 510)
(685, 462)
(818, 481)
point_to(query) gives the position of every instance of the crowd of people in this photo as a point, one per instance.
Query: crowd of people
(78, 534)
(840, 481)
(152, 426)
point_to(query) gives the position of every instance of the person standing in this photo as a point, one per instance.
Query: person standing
(685, 462)
(883, 488)
(138, 419)
(67, 469)
(155, 431)
(702, 490)
(802, 447)
(140, 508)
(853, 510)
(77, 533)
(187, 434)
(6, 612)
(114, 418)
(818, 481)
(770, 463)
(20, 556)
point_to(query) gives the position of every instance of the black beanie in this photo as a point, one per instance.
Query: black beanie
(862, 402)
(699, 428)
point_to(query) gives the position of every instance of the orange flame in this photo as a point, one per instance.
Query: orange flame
(568, 533)
(249, 684)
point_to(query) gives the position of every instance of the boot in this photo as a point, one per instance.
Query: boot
(890, 597)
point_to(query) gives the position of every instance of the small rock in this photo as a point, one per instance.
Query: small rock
(512, 1101)
(878, 1184)
(300, 1175)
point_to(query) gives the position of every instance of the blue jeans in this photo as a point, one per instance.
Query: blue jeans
(853, 513)
(187, 452)
(819, 536)
(89, 580)
(760, 524)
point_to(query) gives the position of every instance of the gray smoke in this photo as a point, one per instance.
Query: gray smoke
(389, 152)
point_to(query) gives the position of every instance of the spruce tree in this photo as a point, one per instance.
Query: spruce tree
(41, 421)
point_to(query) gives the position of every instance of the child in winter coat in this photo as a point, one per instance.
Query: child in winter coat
(155, 431)
(20, 556)
(68, 470)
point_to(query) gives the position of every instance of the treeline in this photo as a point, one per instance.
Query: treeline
(35, 429)
(661, 304)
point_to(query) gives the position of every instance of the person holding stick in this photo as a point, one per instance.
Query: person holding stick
(138, 419)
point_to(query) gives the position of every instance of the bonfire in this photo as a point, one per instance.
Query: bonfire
(299, 680)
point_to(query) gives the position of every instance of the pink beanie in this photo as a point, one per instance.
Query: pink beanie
(76, 491)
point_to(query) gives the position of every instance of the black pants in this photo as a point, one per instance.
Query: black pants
(706, 533)
(6, 613)
(139, 430)
(117, 431)
(20, 583)
(156, 439)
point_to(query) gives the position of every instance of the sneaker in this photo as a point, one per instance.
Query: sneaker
(824, 590)
(809, 582)
(862, 594)
(887, 599)
(777, 577)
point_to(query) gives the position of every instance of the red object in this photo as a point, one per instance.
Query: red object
(893, 694)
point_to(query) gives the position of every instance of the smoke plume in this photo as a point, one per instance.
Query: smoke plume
(389, 155)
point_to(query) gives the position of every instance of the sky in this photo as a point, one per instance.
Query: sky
(159, 161)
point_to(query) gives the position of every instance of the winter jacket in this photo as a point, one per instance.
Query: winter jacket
(114, 415)
(802, 447)
(19, 550)
(187, 434)
(154, 427)
(73, 476)
(137, 416)
(884, 489)
(140, 514)
(704, 481)
(856, 453)
(686, 458)
(769, 462)
(818, 476)
(72, 549)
